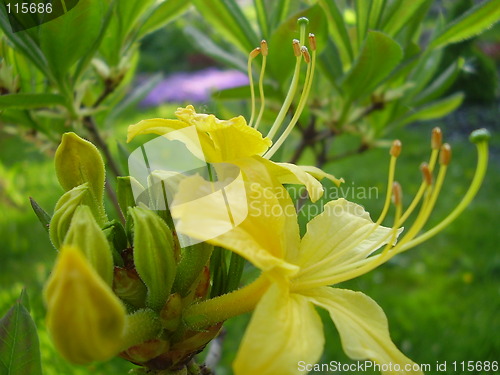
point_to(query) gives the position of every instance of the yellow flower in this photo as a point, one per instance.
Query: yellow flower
(226, 141)
(340, 244)
(285, 327)
(85, 319)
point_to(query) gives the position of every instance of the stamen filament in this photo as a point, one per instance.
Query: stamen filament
(395, 151)
(300, 106)
(426, 208)
(289, 97)
(482, 165)
(422, 188)
(251, 56)
(264, 51)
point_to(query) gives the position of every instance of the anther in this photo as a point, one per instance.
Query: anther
(255, 53)
(479, 135)
(437, 138)
(312, 42)
(396, 148)
(263, 48)
(445, 155)
(305, 53)
(296, 48)
(397, 193)
(426, 173)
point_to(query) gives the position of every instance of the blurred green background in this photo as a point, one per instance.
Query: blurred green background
(442, 299)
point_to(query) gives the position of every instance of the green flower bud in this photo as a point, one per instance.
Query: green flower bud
(85, 234)
(63, 213)
(170, 314)
(85, 319)
(154, 256)
(129, 287)
(78, 161)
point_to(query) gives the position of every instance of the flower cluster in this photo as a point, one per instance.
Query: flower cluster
(138, 290)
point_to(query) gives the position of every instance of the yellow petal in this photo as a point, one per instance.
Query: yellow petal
(363, 329)
(157, 126)
(287, 173)
(85, 319)
(233, 139)
(341, 235)
(285, 329)
(244, 215)
(199, 143)
(319, 174)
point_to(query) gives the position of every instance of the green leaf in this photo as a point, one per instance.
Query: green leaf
(260, 9)
(23, 42)
(363, 9)
(440, 84)
(338, 30)
(434, 110)
(19, 345)
(67, 38)
(473, 22)
(228, 19)
(279, 12)
(207, 46)
(401, 13)
(376, 13)
(154, 256)
(243, 92)
(23, 101)
(42, 215)
(162, 14)
(379, 56)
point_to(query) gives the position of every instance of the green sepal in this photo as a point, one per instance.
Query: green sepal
(154, 256)
(41, 214)
(63, 213)
(125, 193)
(85, 234)
(78, 161)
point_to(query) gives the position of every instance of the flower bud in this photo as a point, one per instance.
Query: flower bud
(78, 161)
(170, 314)
(154, 257)
(63, 213)
(85, 319)
(129, 287)
(85, 234)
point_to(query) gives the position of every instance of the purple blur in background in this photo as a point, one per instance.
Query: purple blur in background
(194, 86)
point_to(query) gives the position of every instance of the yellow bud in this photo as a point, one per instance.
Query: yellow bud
(85, 234)
(78, 161)
(85, 319)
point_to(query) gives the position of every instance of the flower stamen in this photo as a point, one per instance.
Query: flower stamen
(252, 55)
(264, 52)
(291, 92)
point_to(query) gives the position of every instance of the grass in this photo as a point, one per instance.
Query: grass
(441, 299)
